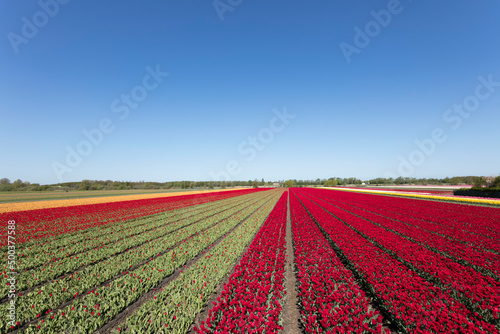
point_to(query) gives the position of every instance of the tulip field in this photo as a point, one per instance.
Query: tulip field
(217, 262)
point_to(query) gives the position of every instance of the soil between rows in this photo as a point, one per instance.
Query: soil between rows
(291, 312)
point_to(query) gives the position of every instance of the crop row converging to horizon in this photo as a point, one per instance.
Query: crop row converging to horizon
(216, 262)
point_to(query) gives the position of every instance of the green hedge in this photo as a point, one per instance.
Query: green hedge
(478, 192)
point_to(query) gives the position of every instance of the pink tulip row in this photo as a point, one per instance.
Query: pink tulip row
(418, 304)
(423, 190)
(330, 299)
(252, 299)
(467, 285)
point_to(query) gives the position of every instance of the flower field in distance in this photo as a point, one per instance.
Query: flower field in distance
(217, 263)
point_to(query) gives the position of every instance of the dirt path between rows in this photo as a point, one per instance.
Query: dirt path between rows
(290, 309)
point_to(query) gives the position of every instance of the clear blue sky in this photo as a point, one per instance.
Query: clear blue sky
(226, 77)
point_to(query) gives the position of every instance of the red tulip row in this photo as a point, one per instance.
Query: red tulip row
(43, 223)
(471, 219)
(330, 299)
(252, 299)
(480, 292)
(431, 218)
(474, 257)
(418, 304)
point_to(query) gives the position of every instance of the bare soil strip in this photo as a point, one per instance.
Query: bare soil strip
(291, 313)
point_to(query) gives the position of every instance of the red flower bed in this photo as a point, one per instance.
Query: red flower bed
(331, 300)
(252, 299)
(467, 223)
(433, 237)
(397, 271)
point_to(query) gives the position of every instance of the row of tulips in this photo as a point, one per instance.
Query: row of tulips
(84, 240)
(75, 286)
(493, 202)
(49, 223)
(113, 297)
(416, 304)
(479, 292)
(252, 299)
(330, 299)
(468, 218)
(477, 258)
(457, 230)
(70, 263)
(174, 308)
(423, 190)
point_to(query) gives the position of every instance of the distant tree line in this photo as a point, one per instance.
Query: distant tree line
(352, 181)
(456, 180)
(19, 185)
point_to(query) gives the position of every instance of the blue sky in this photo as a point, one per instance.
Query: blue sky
(227, 80)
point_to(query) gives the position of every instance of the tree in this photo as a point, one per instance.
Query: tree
(255, 184)
(399, 180)
(496, 182)
(191, 185)
(331, 183)
(17, 184)
(85, 185)
(479, 182)
(289, 183)
(4, 182)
